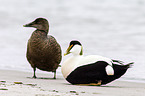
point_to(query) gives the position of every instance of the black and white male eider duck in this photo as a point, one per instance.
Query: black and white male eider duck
(43, 51)
(91, 69)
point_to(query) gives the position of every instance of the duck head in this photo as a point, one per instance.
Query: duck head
(75, 47)
(40, 24)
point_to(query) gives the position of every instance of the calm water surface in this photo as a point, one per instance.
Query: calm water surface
(111, 28)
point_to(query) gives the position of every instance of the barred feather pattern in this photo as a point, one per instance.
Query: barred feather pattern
(43, 51)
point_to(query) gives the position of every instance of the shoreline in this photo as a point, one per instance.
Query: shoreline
(18, 83)
(127, 79)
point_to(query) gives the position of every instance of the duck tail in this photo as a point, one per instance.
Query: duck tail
(118, 61)
(129, 65)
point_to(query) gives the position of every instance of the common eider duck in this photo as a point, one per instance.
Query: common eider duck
(91, 69)
(43, 51)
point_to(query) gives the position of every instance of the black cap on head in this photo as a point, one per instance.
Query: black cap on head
(75, 42)
(71, 45)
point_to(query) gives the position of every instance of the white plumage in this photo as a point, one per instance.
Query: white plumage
(79, 60)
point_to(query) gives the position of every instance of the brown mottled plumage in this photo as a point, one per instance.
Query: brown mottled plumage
(43, 51)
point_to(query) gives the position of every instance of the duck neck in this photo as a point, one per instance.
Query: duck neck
(77, 50)
(76, 55)
(42, 32)
(38, 34)
(43, 28)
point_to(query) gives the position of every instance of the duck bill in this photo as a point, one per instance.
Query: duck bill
(66, 53)
(28, 25)
(68, 50)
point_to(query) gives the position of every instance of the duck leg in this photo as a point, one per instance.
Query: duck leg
(54, 75)
(92, 84)
(34, 69)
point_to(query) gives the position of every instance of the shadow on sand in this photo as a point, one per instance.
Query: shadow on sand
(44, 78)
(102, 86)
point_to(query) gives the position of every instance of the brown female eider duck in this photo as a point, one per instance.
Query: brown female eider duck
(92, 69)
(43, 51)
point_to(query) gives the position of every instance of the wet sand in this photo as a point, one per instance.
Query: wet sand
(17, 83)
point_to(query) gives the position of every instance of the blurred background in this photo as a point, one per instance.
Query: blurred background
(111, 28)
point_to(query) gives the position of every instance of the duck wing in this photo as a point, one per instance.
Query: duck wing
(86, 74)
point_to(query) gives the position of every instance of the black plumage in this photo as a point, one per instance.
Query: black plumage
(43, 51)
(92, 73)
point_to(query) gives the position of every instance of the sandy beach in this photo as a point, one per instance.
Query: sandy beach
(111, 28)
(17, 83)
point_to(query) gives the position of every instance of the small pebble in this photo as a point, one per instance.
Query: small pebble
(31, 84)
(72, 91)
(54, 91)
(18, 83)
(83, 92)
(96, 93)
(3, 89)
(3, 81)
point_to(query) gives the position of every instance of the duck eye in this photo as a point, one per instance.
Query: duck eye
(37, 22)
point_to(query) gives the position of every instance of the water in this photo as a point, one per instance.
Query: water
(111, 28)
